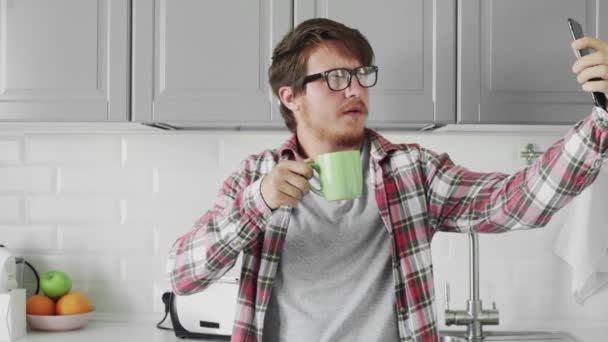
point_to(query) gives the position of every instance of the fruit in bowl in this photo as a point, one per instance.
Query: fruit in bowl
(55, 283)
(73, 304)
(40, 305)
(71, 311)
(59, 322)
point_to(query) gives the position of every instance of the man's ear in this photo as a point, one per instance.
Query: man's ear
(288, 98)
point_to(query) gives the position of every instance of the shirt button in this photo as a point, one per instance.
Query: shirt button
(402, 310)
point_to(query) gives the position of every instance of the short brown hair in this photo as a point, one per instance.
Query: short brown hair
(291, 54)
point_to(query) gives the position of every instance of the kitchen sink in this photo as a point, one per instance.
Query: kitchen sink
(520, 336)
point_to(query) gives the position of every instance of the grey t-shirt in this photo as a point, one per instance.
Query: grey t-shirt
(334, 281)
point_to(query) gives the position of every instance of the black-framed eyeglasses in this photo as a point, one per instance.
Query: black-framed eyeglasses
(340, 78)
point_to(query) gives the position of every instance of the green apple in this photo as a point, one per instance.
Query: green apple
(55, 284)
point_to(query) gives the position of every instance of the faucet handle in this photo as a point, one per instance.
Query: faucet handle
(447, 296)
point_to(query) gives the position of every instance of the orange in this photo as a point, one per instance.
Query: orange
(40, 305)
(72, 304)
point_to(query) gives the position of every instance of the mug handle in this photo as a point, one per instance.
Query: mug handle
(316, 167)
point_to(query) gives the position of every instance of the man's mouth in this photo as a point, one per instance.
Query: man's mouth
(353, 111)
(353, 108)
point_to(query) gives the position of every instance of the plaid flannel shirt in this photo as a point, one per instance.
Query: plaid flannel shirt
(418, 193)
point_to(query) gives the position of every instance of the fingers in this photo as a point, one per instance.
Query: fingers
(277, 192)
(592, 69)
(588, 42)
(286, 184)
(302, 168)
(597, 71)
(596, 86)
(293, 180)
(298, 182)
(593, 59)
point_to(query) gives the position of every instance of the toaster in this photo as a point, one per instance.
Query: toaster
(206, 314)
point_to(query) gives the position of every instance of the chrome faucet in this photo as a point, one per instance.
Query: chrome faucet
(474, 317)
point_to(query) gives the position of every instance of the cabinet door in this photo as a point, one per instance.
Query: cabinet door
(414, 44)
(515, 60)
(205, 62)
(64, 60)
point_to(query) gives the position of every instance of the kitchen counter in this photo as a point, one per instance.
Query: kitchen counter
(111, 328)
(109, 331)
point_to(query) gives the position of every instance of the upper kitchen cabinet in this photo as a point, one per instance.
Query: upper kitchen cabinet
(205, 63)
(414, 44)
(64, 60)
(515, 60)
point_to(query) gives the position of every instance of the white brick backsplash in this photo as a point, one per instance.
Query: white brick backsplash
(10, 150)
(134, 272)
(138, 274)
(121, 240)
(11, 209)
(73, 149)
(119, 298)
(164, 238)
(458, 247)
(189, 150)
(496, 277)
(523, 307)
(72, 209)
(491, 151)
(27, 180)
(193, 182)
(236, 147)
(84, 269)
(547, 275)
(180, 211)
(158, 289)
(25, 239)
(510, 244)
(116, 180)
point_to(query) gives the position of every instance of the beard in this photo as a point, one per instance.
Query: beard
(345, 133)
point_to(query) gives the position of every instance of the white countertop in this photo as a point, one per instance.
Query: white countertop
(118, 328)
(113, 330)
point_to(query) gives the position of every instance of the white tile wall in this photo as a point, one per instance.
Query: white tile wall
(12, 208)
(10, 150)
(27, 180)
(107, 207)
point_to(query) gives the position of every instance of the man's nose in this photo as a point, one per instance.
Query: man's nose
(354, 89)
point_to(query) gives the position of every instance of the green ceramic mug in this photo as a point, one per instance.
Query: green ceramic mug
(340, 175)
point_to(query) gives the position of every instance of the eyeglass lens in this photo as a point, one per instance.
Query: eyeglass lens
(340, 78)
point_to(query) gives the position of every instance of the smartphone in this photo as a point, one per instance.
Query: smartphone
(577, 32)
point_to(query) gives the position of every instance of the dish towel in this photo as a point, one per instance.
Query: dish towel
(583, 240)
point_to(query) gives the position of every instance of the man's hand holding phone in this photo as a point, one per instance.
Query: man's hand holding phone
(593, 65)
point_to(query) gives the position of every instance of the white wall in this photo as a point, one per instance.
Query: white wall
(106, 207)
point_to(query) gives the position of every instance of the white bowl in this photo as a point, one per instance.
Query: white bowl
(59, 322)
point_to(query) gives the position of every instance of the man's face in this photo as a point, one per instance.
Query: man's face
(333, 117)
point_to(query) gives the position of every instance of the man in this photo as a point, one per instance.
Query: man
(360, 270)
